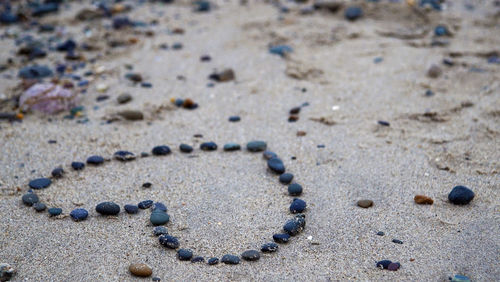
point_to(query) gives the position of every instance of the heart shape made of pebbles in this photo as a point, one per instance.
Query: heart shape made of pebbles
(159, 216)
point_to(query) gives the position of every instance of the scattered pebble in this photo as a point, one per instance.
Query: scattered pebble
(383, 264)
(295, 225)
(294, 189)
(353, 13)
(286, 178)
(393, 266)
(234, 118)
(77, 165)
(251, 255)
(147, 185)
(184, 254)
(146, 204)
(6, 272)
(269, 247)
(95, 160)
(365, 203)
(276, 165)
(384, 123)
(185, 148)
(461, 195)
(423, 200)
(159, 207)
(55, 211)
(256, 146)
(79, 214)
(140, 269)
(281, 50)
(434, 71)
(380, 233)
(223, 76)
(460, 278)
(169, 241)
(160, 230)
(230, 259)
(197, 259)
(161, 150)
(107, 208)
(281, 238)
(213, 261)
(30, 199)
(124, 156)
(297, 206)
(131, 209)
(208, 146)
(40, 183)
(269, 155)
(124, 98)
(131, 115)
(397, 241)
(232, 147)
(159, 218)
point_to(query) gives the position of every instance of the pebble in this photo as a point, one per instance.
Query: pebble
(6, 272)
(294, 226)
(423, 200)
(234, 118)
(146, 204)
(39, 207)
(269, 247)
(197, 259)
(161, 150)
(434, 71)
(131, 115)
(230, 259)
(131, 209)
(397, 241)
(208, 146)
(77, 165)
(160, 230)
(124, 98)
(55, 211)
(108, 208)
(184, 254)
(40, 183)
(294, 189)
(281, 238)
(79, 214)
(251, 255)
(30, 199)
(276, 165)
(124, 156)
(213, 261)
(281, 50)
(297, 206)
(159, 207)
(140, 269)
(169, 241)
(95, 160)
(353, 13)
(223, 76)
(286, 178)
(35, 72)
(156, 279)
(185, 148)
(147, 185)
(441, 30)
(393, 266)
(461, 195)
(159, 218)
(365, 203)
(269, 155)
(460, 278)
(384, 123)
(380, 233)
(256, 146)
(232, 147)
(384, 264)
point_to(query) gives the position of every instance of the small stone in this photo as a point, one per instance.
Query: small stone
(160, 230)
(365, 203)
(383, 123)
(460, 278)
(230, 259)
(276, 165)
(168, 241)
(423, 200)
(145, 204)
(397, 241)
(95, 160)
(30, 199)
(213, 261)
(353, 13)
(281, 50)
(185, 148)
(294, 189)
(40, 183)
(208, 146)
(6, 272)
(256, 146)
(281, 238)
(147, 185)
(57, 172)
(461, 195)
(295, 225)
(140, 269)
(35, 72)
(124, 156)
(232, 147)
(159, 207)
(301, 133)
(159, 218)
(286, 178)
(134, 77)
(197, 259)
(77, 165)
(131, 209)
(79, 214)
(131, 115)
(107, 208)
(269, 155)
(161, 150)
(184, 254)
(234, 118)
(383, 264)
(39, 207)
(441, 30)
(297, 206)
(55, 211)
(251, 255)
(380, 233)
(393, 266)
(223, 76)
(124, 98)
(434, 71)
(269, 247)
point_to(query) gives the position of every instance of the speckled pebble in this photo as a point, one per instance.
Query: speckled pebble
(124, 156)
(184, 254)
(146, 204)
(297, 206)
(276, 165)
(286, 178)
(140, 269)
(251, 255)
(107, 208)
(461, 195)
(161, 150)
(232, 147)
(131, 209)
(230, 259)
(256, 146)
(77, 165)
(160, 230)
(397, 241)
(281, 238)
(294, 189)
(40, 183)
(294, 226)
(213, 261)
(79, 214)
(55, 211)
(159, 207)
(208, 146)
(197, 259)
(30, 199)
(269, 247)
(185, 148)
(169, 241)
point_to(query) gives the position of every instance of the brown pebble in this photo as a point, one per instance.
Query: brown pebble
(225, 75)
(365, 203)
(295, 111)
(434, 71)
(293, 118)
(131, 115)
(301, 133)
(423, 200)
(140, 269)
(188, 103)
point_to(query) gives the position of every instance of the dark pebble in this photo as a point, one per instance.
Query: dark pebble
(223, 76)
(294, 189)
(124, 156)
(161, 150)
(185, 148)
(208, 146)
(205, 58)
(256, 146)
(145, 204)
(147, 185)
(169, 241)
(35, 72)
(95, 160)
(131, 209)
(40, 183)
(269, 247)
(353, 13)
(159, 207)
(39, 207)
(384, 123)
(461, 195)
(107, 208)
(230, 259)
(286, 178)
(144, 155)
(380, 233)
(234, 118)
(124, 98)
(294, 226)
(79, 214)
(213, 261)
(384, 264)
(232, 147)
(77, 165)
(68, 45)
(184, 254)
(269, 155)
(281, 238)
(276, 165)
(365, 203)
(297, 206)
(160, 230)
(393, 266)
(159, 218)
(197, 259)
(30, 199)
(55, 211)
(156, 279)
(101, 98)
(397, 241)
(251, 255)
(295, 110)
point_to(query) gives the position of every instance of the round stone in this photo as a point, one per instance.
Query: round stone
(159, 218)
(185, 148)
(208, 146)
(384, 264)
(124, 156)
(168, 241)
(131, 209)
(213, 261)
(197, 259)
(79, 214)
(256, 146)
(353, 13)
(269, 155)
(40, 183)
(39, 207)
(161, 150)
(107, 208)
(145, 204)
(297, 206)
(286, 178)
(160, 230)
(140, 269)
(294, 189)
(232, 147)
(159, 207)
(77, 165)
(461, 195)
(365, 203)
(95, 160)
(393, 266)
(184, 254)
(251, 255)
(269, 247)
(230, 259)
(55, 211)
(57, 172)
(30, 199)
(276, 165)
(281, 238)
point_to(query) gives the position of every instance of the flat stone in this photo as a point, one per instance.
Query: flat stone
(208, 146)
(124, 156)
(269, 247)
(269, 155)
(131, 209)
(161, 150)
(159, 218)
(185, 148)
(131, 115)
(213, 261)
(57, 172)
(140, 269)
(95, 160)
(108, 208)
(297, 206)
(230, 259)
(232, 147)
(124, 98)
(281, 238)
(55, 211)
(286, 178)
(40, 183)
(256, 146)
(79, 214)
(30, 199)
(39, 207)
(276, 165)
(168, 241)
(251, 255)
(365, 203)
(77, 165)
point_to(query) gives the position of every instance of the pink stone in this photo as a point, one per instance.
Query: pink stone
(48, 98)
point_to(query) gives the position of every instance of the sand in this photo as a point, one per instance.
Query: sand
(229, 202)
